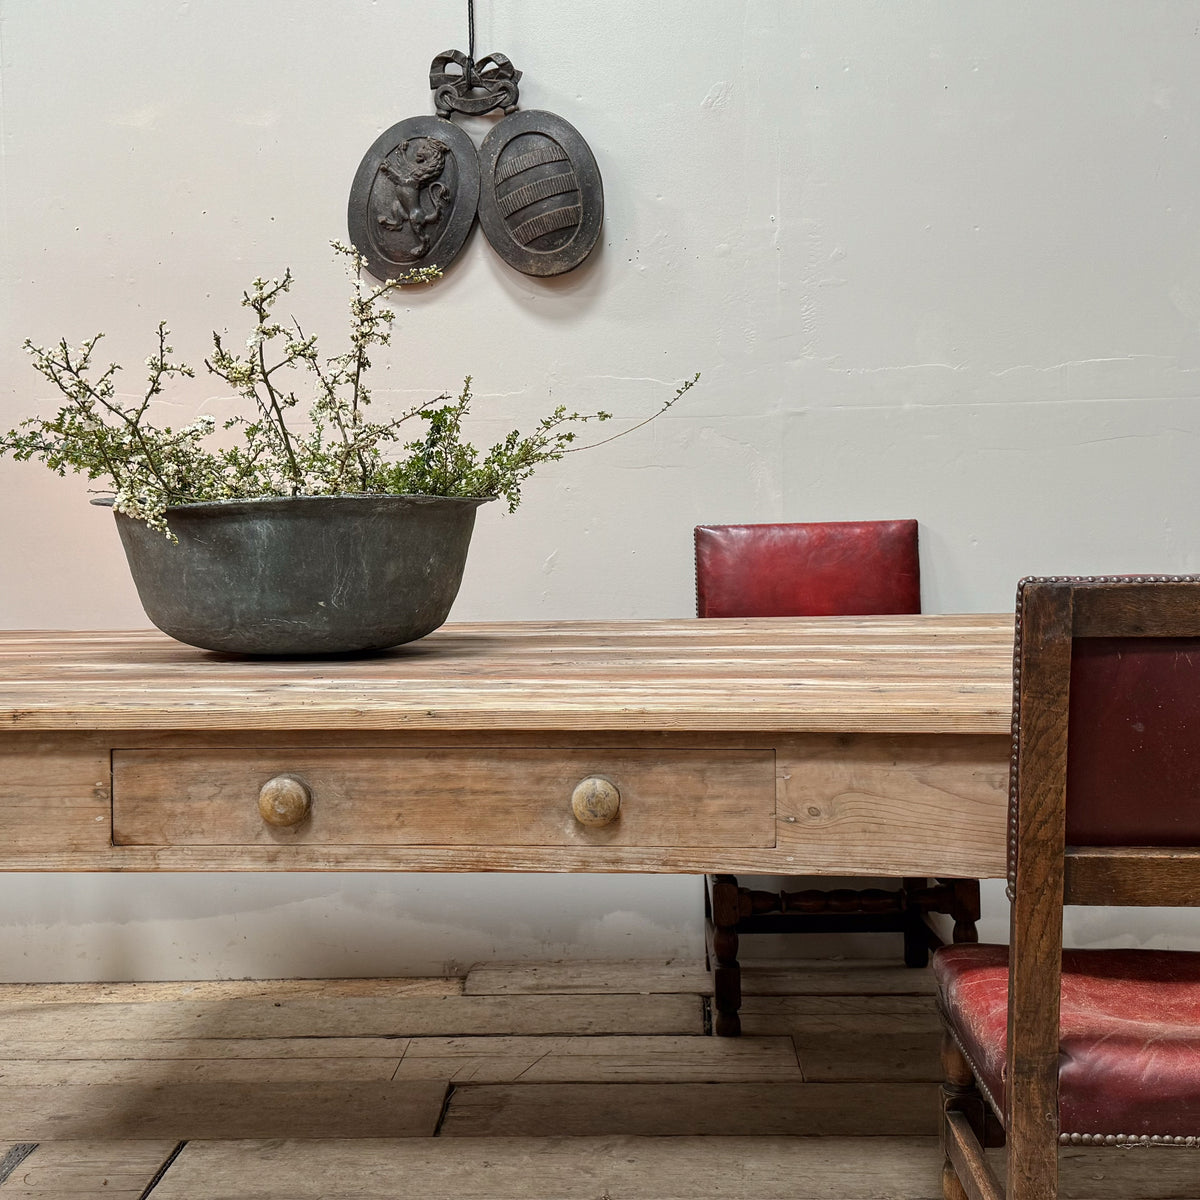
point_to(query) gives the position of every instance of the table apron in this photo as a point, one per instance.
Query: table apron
(793, 804)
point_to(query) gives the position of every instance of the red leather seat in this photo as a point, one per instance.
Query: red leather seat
(834, 568)
(1127, 1016)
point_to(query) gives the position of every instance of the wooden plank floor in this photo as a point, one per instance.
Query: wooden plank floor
(531, 1082)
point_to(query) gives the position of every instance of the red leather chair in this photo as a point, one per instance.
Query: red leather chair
(1047, 1046)
(842, 568)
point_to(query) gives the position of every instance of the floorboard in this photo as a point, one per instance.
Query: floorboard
(221, 989)
(117, 1170)
(600, 1059)
(93, 1111)
(140, 1049)
(812, 977)
(551, 1168)
(687, 1109)
(314, 1016)
(855, 1055)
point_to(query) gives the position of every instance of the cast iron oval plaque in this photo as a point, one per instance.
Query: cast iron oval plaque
(414, 196)
(541, 202)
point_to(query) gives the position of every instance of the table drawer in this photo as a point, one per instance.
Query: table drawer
(411, 796)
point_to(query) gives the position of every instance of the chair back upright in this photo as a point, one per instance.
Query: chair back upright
(832, 568)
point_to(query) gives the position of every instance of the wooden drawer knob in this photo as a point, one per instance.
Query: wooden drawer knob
(595, 801)
(284, 801)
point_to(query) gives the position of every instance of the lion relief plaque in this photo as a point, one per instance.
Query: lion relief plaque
(414, 197)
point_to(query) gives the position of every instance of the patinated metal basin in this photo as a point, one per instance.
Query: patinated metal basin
(302, 575)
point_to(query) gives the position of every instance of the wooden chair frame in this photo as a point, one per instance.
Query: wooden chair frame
(1045, 873)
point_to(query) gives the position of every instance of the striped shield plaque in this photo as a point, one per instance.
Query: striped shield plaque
(541, 201)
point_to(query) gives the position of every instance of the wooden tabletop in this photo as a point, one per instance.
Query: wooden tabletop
(921, 674)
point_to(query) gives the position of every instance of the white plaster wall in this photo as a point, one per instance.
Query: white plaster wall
(933, 259)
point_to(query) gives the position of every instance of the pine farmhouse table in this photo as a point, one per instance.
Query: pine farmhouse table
(834, 746)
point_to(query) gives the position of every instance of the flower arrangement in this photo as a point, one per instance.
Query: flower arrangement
(336, 450)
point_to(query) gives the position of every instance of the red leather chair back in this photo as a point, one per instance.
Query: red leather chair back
(837, 568)
(1133, 742)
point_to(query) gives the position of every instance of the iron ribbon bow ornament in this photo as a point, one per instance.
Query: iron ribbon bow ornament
(534, 182)
(494, 75)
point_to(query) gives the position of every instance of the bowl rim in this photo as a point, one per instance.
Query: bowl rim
(213, 507)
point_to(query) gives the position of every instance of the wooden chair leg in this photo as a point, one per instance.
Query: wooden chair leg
(965, 909)
(993, 1128)
(724, 908)
(708, 924)
(961, 1100)
(951, 1188)
(916, 935)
